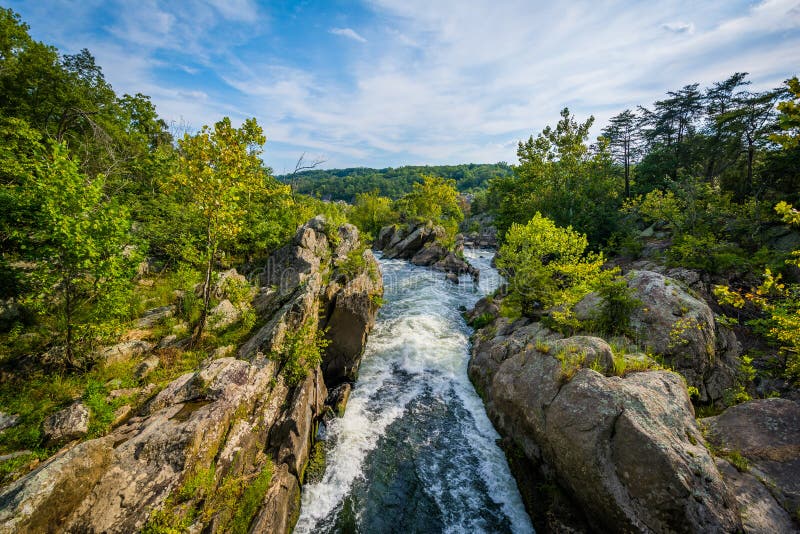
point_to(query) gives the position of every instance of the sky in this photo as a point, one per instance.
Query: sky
(385, 83)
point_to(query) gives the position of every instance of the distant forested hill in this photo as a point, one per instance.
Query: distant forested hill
(345, 184)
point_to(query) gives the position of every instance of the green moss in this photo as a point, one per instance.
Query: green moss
(250, 501)
(482, 320)
(316, 463)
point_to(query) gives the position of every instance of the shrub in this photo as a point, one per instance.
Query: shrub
(618, 303)
(547, 265)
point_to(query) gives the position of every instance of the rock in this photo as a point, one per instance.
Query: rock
(149, 364)
(452, 277)
(680, 327)
(7, 420)
(118, 393)
(429, 254)
(231, 414)
(11, 312)
(67, 424)
(338, 397)
(221, 352)
(124, 351)
(122, 413)
(224, 279)
(348, 240)
(353, 309)
(485, 308)
(223, 315)
(150, 318)
(401, 243)
(761, 513)
(281, 503)
(627, 450)
(767, 433)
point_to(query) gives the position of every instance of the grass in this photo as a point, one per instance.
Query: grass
(572, 360)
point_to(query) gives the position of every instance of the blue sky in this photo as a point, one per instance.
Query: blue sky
(393, 82)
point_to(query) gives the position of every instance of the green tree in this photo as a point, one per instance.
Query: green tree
(79, 250)
(218, 171)
(561, 178)
(371, 212)
(434, 199)
(623, 135)
(547, 265)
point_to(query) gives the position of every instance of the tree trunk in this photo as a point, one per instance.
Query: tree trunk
(201, 322)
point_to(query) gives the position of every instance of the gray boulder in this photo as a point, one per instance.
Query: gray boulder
(767, 433)
(680, 327)
(627, 450)
(66, 425)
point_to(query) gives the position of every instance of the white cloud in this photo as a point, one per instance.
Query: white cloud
(349, 33)
(679, 27)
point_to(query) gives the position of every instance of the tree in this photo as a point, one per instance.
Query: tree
(434, 199)
(723, 145)
(371, 212)
(217, 172)
(622, 133)
(560, 177)
(78, 247)
(546, 264)
(753, 119)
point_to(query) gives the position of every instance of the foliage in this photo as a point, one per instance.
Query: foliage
(82, 267)
(434, 199)
(371, 212)
(218, 171)
(547, 265)
(617, 305)
(301, 351)
(346, 184)
(561, 178)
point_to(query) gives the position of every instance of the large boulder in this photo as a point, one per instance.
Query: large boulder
(679, 326)
(403, 242)
(766, 432)
(351, 311)
(65, 425)
(627, 449)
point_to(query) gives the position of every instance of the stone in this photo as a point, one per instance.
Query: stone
(338, 397)
(7, 420)
(225, 278)
(761, 513)
(66, 425)
(679, 326)
(223, 315)
(151, 318)
(124, 351)
(767, 433)
(150, 363)
(627, 451)
(353, 309)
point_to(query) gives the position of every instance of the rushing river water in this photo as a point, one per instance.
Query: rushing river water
(415, 451)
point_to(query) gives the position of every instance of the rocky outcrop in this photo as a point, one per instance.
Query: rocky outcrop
(679, 326)
(626, 450)
(420, 243)
(237, 424)
(70, 423)
(766, 433)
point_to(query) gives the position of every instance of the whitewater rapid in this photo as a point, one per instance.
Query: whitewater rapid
(415, 451)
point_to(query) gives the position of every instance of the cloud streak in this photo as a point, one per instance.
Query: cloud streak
(349, 33)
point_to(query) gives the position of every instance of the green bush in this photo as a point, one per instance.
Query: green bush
(547, 265)
(618, 303)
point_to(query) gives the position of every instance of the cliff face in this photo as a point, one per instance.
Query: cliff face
(225, 447)
(621, 451)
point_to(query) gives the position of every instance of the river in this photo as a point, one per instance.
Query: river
(415, 451)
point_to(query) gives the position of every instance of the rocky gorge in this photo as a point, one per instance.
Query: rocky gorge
(225, 447)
